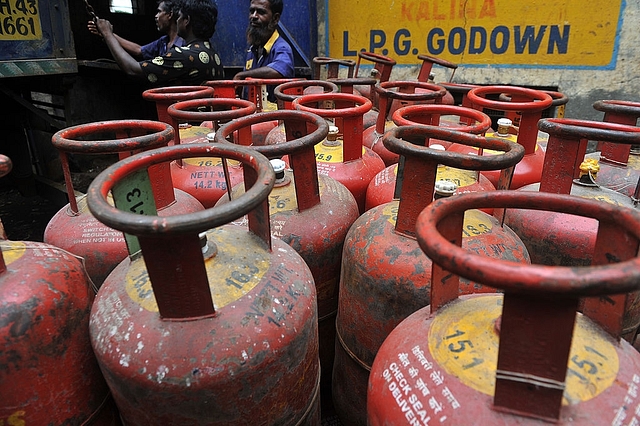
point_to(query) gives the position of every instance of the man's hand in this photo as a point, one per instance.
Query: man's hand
(91, 26)
(104, 27)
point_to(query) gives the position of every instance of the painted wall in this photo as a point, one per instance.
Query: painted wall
(589, 51)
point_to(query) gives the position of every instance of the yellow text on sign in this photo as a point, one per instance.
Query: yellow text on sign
(20, 20)
(505, 32)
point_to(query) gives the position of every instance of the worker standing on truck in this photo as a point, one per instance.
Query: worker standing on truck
(269, 55)
(191, 64)
(166, 22)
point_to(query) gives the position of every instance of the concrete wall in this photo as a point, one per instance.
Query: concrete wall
(582, 84)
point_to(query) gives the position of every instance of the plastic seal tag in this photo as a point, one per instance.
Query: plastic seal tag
(134, 194)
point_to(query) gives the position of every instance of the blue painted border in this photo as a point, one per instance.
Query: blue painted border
(611, 66)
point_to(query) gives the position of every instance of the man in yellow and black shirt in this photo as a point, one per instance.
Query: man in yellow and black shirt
(191, 64)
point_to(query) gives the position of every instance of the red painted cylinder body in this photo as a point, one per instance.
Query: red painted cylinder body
(218, 328)
(345, 159)
(384, 278)
(73, 227)
(49, 374)
(464, 360)
(619, 164)
(530, 103)
(310, 212)
(382, 187)
(398, 93)
(561, 239)
(205, 178)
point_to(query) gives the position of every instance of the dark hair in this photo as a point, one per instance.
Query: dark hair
(171, 6)
(276, 6)
(203, 15)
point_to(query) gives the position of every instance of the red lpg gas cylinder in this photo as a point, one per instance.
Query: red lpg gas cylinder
(556, 109)
(49, 374)
(619, 164)
(205, 178)
(384, 277)
(73, 227)
(165, 96)
(391, 96)
(362, 84)
(217, 328)
(530, 103)
(341, 156)
(525, 358)
(325, 68)
(459, 91)
(257, 91)
(542, 231)
(382, 187)
(309, 211)
(381, 71)
(560, 239)
(286, 93)
(425, 73)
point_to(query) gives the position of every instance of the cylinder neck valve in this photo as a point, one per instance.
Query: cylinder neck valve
(278, 167)
(332, 136)
(444, 189)
(589, 169)
(504, 125)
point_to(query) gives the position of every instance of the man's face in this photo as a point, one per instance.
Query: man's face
(182, 23)
(262, 22)
(163, 18)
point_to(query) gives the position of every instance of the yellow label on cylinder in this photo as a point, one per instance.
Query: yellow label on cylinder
(330, 154)
(390, 211)
(464, 341)
(233, 278)
(204, 162)
(458, 176)
(198, 134)
(83, 207)
(596, 195)
(475, 223)
(195, 132)
(283, 198)
(12, 251)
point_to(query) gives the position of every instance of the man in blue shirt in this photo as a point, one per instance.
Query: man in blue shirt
(269, 55)
(166, 17)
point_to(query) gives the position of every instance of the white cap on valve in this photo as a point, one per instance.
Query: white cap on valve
(437, 147)
(504, 124)
(278, 167)
(444, 188)
(211, 137)
(332, 136)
